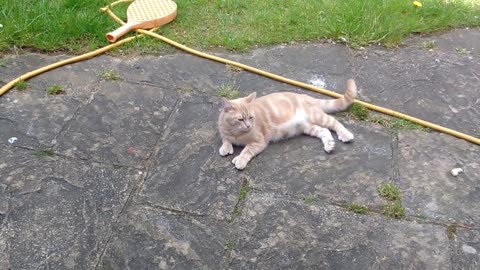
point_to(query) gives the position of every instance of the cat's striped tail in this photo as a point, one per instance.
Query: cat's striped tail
(340, 104)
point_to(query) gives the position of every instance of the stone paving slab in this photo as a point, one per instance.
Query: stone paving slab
(57, 213)
(278, 233)
(151, 238)
(424, 164)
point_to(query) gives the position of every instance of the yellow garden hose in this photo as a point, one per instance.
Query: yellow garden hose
(88, 55)
(263, 73)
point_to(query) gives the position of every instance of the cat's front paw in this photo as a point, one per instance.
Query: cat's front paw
(345, 136)
(240, 162)
(329, 145)
(226, 149)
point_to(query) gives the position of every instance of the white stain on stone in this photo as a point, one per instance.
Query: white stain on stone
(468, 249)
(12, 140)
(317, 81)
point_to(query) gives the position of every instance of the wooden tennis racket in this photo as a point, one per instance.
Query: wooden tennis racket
(146, 14)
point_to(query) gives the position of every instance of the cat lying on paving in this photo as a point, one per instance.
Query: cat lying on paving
(255, 122)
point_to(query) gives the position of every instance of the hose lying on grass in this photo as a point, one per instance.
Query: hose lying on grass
(242, 66)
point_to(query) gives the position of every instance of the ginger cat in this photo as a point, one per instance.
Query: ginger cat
(255, 122)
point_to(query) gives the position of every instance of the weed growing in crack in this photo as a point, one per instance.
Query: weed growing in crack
(21, 85)
(429, 44)
(309, 199)
(229, 246)
(44, 153)
(389, 192)
(54, 90)
(394, 209)
(242, 195)
(228, 91)
(357, 208)
(463, 51)
(423, 216)
(233, 69)
(451, 232)
(109, 75)
(358, 112)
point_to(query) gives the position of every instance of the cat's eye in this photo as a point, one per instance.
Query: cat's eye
(251, 117)
(240, 119)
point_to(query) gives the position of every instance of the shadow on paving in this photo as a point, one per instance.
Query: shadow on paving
(125, 173)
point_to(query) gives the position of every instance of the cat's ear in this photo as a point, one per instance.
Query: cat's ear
(251, 97)
(226, 105)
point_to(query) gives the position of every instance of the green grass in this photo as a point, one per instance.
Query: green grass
(78, 25)
(44, 153)
(389, 192)
(309, 199)
(242, 195)
(228, 91)
(429, 45)
(356, 208)
(358, 112)
(21, 85)
(394, 209)
(54, 90)
(109, 75)
(451, 232)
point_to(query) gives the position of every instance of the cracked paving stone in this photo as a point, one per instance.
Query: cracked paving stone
(60, 212)
(189, 173)
(352, 173)
(179, 72)
(33, 117)
(148, 238)
(120, 125)
(413, 82)
(466, 249)
(277, 233)
(425, 161)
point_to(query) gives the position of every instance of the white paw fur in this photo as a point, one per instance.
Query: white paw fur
(240, 162)
(345, 136)
(226, 149)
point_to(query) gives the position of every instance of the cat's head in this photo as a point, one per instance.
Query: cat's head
(238, 115)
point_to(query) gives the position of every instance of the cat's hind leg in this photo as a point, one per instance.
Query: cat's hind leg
(323, 134)
(327, 121)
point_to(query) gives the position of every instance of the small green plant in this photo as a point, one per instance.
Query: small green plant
(109, 75)
(423, 216)
(429, 44)
(231, 68)
(407, 125)
(54, 90)
(394, 210)
(396, 123)
(356, 208)
(44, 153)
(3, 62)
(358, 112)
(229, 246)
(242, 195)
(463, 51)
(451, 232)
(228, 91)
(309, 199)
(21, 85)
(389, 192)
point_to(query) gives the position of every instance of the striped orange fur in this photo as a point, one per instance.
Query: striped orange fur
(255, 122)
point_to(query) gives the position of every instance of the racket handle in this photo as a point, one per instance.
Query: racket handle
(113, 36)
